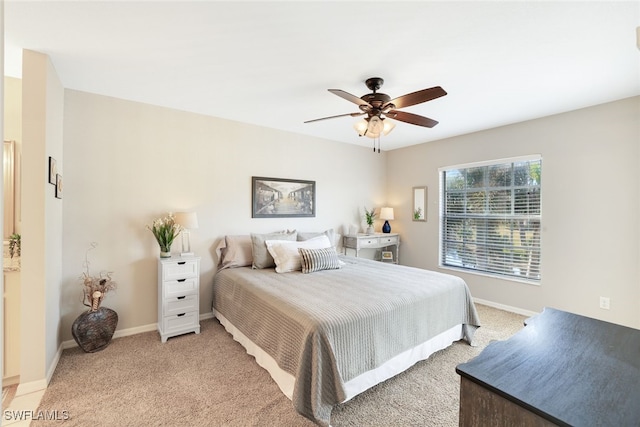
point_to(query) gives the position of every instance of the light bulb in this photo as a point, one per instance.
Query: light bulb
(375, 126)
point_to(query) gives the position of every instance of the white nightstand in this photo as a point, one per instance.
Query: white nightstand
(178, 296)
(373, 241)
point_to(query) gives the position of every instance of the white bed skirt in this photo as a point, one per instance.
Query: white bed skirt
(362, 382)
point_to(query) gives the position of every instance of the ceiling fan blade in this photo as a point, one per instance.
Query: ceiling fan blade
(418, 97)
(349, 97)
(413, 119)
(333, 117)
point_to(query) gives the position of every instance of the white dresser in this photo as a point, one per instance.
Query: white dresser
(178, 296)
(374, 241)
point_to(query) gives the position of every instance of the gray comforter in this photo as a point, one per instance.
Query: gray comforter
(327, 327)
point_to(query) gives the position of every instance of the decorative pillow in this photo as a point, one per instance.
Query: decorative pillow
(319, 259)
(310, 235)
(261, 256)
(285, 253)
(234, 251)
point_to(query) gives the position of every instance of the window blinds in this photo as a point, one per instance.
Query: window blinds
(491, 217)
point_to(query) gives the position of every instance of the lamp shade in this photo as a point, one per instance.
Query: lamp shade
(374, 127)
(386, 213)
(188, 220)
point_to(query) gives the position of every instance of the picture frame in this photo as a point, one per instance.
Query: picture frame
(58, 186)
(387, 256)
(282, 198)
(53, 171)
(419, 204)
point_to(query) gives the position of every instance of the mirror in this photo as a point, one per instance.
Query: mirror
(9, 196)
(420, 203)
(12, 188)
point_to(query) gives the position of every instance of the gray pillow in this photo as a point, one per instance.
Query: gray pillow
(261, 256)
(234, 251)
(310, 235)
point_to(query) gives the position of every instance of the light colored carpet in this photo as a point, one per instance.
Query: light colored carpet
(209, 379)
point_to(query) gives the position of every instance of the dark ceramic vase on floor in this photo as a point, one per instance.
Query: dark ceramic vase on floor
(93, 330)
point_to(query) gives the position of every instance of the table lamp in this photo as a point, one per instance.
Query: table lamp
(188, 221)
(386, 214)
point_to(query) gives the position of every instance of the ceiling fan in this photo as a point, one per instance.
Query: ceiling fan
(379, 106)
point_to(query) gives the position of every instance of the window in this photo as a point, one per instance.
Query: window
(490, 217)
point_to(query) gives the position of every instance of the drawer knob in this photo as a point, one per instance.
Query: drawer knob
(182, 262)
(181, 314)
(181, 280)
(182, 297)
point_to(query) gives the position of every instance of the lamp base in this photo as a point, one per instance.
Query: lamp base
(386, 228)
(186, 244)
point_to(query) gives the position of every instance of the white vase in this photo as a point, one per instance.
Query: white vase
(369, 230)
(164, 254)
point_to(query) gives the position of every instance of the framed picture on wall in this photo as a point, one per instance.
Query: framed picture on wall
(53, 171)
(282, 198)
(58, 186)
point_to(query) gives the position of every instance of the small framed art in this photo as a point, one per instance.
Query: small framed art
(53, 171)
(58, 186)
(387, 256)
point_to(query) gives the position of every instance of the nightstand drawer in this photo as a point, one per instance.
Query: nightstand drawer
(180, 269)
(181, 287)
(181, 304)
(179, 322)
(370, 242)
(391, 240)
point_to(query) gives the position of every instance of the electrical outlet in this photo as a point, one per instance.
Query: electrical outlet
(604, 303)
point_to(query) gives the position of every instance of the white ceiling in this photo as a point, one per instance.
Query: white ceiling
(270, 63)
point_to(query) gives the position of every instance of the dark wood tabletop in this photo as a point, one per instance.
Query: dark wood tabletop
(569, 369)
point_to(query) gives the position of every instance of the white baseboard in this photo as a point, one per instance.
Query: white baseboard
(131, 331)
(117, 334)
(30, 387)
(206, 316)
(7, 381)
(54, 364)
(506, 307)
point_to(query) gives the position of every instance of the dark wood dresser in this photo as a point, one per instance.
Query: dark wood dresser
(560, 369)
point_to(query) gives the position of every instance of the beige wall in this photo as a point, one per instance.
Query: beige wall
(42, 107)
(127, 163)
(12, 109)
(591, 207)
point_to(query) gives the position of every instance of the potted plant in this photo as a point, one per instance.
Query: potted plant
(14, 245)
(94, 329)
(165, 230)
(417, 213)
(369, 216)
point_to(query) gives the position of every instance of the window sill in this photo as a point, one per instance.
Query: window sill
(494, 276)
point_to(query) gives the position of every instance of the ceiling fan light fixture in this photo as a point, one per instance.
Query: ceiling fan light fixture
(374, 127)
(361, 127)
(376, 105)
(388, 126)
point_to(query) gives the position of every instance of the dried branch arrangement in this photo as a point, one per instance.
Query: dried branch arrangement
(95, 287)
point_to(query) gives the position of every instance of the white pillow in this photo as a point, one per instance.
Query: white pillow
(285, 253)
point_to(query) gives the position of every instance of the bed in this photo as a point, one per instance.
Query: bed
(329, 335)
